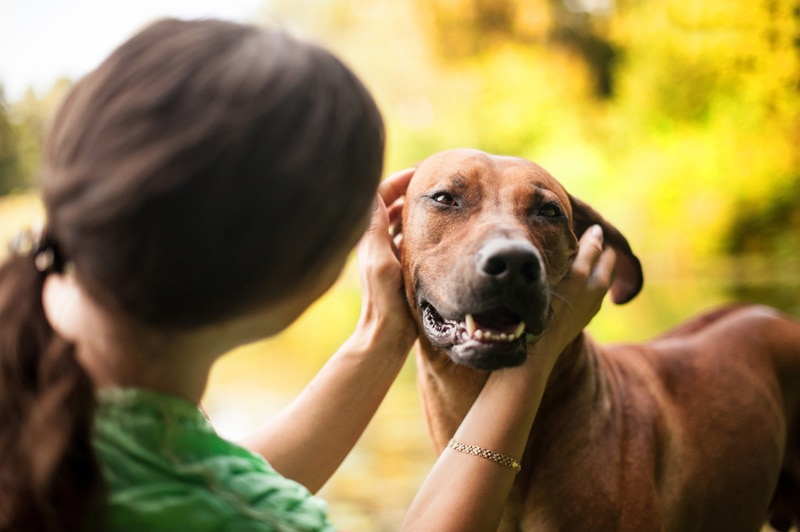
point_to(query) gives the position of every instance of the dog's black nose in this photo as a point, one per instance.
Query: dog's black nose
(510, 260)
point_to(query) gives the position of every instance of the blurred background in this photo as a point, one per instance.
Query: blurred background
(679, 121)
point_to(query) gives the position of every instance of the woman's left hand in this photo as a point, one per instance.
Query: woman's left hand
(309, 438)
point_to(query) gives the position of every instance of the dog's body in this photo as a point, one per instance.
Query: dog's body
(690, 431)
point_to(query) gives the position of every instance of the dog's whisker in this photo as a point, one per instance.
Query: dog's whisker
(558, 296)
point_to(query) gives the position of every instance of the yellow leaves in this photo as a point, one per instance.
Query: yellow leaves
(461, 29)
(712, 15)
(18, 213)
(533, 18)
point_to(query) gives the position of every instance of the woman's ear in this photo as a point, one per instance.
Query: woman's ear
(629, 276)
(64, 304)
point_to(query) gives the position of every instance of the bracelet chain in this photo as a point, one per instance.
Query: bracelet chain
(474, 450)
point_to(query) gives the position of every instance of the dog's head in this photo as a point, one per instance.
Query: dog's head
(485, 240)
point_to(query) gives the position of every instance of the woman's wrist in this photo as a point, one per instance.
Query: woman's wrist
(380, 339)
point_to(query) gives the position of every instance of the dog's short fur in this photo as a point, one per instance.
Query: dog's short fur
(690, 431)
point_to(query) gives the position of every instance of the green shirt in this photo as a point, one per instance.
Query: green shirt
(167, 469)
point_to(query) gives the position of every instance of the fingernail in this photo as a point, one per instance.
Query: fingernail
(376, 203)
(597, 232)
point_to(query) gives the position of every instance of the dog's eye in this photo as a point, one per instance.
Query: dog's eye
(443, 198)
(551, 210)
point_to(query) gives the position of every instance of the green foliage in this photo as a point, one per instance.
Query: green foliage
(718, 95)
(771, 228)
(686, 109)
(22, 128)
(667, 115)
(683, 109)
(9, 156)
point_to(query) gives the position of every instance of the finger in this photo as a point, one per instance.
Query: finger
(603, 271)
(379, 218)
(591, 243)
(395, 210)
(590, 248)
(395, 185)
(397, 246)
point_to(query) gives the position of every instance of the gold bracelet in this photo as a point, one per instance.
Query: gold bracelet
(474, 450)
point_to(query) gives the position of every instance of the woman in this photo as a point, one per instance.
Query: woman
(202, 187)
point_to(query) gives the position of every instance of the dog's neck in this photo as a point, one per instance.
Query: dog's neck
(575, 376)
(447, 390)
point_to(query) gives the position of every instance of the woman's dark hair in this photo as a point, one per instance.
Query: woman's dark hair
(204, 169)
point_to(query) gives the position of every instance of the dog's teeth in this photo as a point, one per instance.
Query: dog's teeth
(473, 332)
(470, 323)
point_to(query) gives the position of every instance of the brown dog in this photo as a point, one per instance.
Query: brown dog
(695, 430)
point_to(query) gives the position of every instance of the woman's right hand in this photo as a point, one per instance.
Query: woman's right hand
(463, 492)
(577, 298)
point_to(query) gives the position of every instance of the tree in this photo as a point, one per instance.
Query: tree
(22, 130)
(10, 177)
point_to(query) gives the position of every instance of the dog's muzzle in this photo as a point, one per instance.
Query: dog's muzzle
(499, 309)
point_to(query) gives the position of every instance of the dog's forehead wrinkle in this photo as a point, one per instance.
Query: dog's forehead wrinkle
(545, 191)
(464, 185)
(535, 194)
(454, 180)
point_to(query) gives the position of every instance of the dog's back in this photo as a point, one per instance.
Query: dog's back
(686, 432)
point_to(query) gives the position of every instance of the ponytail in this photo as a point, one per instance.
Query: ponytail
(50, 479)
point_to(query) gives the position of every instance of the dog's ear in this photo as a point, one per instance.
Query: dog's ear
(629, 276)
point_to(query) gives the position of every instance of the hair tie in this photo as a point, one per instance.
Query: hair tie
(41, 247)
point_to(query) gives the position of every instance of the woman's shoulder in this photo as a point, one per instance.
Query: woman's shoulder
(166, 468)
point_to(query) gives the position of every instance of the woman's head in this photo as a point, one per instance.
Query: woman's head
(207, 168)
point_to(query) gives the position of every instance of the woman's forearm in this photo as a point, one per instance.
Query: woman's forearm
(311, 437)
(464, 492)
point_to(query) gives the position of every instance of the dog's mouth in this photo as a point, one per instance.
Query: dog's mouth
(485, 340)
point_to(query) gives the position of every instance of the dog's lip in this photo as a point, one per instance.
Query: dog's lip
(481, 348)
(497, 326)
